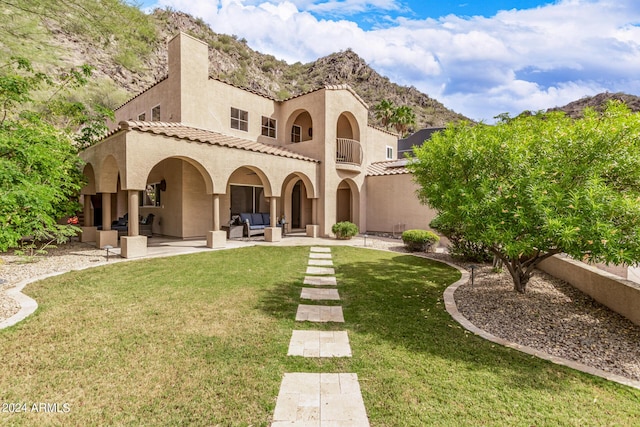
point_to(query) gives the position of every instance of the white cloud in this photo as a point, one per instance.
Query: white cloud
(519, 59)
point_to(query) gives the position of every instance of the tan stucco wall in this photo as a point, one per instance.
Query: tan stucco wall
(392, 200)
(189, 96)
(621, 296)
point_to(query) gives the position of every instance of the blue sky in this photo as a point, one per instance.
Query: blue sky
(479, 58)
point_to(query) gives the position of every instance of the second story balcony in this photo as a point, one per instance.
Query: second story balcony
(348, 154)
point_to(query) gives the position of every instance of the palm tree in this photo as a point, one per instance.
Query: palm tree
(403, 117)
(384, 112)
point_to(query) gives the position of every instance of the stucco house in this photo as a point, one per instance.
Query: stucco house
(195, 151)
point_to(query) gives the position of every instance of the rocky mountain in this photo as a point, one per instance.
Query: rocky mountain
(598, 102)
(129, 55)
(232, 60)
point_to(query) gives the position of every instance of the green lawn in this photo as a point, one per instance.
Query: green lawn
(202, 340)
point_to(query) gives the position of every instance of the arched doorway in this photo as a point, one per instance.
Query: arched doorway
(344, 202)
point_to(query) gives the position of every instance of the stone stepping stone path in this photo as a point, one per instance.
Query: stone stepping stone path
(319, 294)
(326, 271)
(320, 399)
(319, 255)
(319, 344)
(319, 313)
(320, 281)
(320, 262)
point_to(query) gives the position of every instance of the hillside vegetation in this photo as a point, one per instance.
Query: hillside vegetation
(127, 48)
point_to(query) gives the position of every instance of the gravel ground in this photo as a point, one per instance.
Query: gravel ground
(72, 256)
(554, 317)
(551, 316)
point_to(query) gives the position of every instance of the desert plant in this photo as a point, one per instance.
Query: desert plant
(419, 240)
(344, 230)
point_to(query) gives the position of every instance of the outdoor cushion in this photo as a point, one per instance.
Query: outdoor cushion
(256, 219)
(266, 219)
(245, 216)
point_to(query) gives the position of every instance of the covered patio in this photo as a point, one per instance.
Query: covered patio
(185, 177)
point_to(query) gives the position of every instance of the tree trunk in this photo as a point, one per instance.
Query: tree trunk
(521, 268)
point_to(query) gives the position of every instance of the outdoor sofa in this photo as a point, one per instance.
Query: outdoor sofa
(255, 223)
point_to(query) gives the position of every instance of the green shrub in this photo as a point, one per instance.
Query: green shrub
(344, 230)
(419, 240)
(460, 247)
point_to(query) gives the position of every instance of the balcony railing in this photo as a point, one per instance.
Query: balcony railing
(348, 152)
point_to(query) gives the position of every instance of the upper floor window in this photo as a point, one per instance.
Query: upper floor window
(389, 152)
(141, 117)
(155, 114)
(268, 127)
(239, 119)
(296, 133)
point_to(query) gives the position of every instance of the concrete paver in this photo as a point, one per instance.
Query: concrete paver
(320, 271)
(319, 313)
(320, 280)
(321, 262)
(320, 249)
(340, 401)
(319, 294)
(319, 344)
(319, 255)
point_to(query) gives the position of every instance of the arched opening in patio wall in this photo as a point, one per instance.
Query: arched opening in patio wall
(248, 191)
(348, 148)
(348, 202)
(86, 194)
(298, 205)
(299, 127)
(178, 194)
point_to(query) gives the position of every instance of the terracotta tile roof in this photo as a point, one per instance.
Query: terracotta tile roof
(181, 131)
(388, 167)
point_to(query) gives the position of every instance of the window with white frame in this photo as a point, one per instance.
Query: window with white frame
(142, 117)
(239, 119)
(155, 114)
(389, 152)
(296, 133)
(268, 127)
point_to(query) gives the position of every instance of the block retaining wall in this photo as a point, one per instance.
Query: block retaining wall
(620, 295)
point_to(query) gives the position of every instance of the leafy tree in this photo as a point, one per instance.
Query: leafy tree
(538, 185)
(40, 173)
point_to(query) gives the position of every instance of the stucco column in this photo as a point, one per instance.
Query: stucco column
(216, 238)
(134, 213)
(106, 211)
(273, 211)
(216, 212)
(133, 245)
(88, 233)
(106, 236)
(88, 218)
(313, 229)
(273, 233)
(314, 211)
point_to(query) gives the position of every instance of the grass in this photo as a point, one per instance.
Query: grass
(202, 340)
